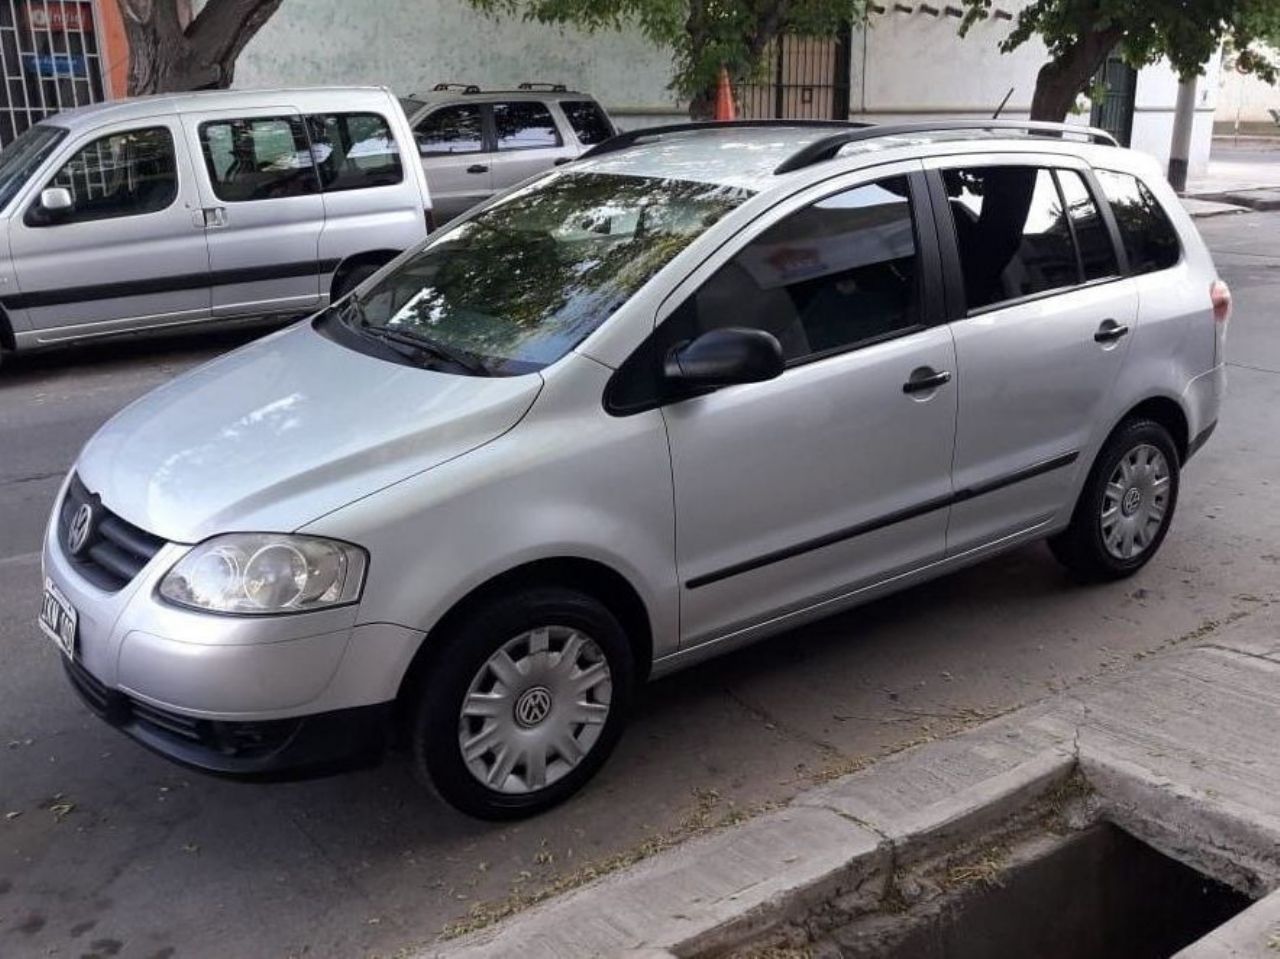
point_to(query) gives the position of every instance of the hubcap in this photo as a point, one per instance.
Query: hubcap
(535, 709)
(1135, 503)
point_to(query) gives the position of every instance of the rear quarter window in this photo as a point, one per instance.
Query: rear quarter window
(1150, 240)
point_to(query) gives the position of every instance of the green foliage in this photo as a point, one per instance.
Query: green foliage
(702, 34)
(1187, 32)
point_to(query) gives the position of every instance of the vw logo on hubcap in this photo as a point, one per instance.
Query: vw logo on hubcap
(80, 528)
(1132, 500)
(533, 705)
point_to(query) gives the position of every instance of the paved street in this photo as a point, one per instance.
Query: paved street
(106, 850)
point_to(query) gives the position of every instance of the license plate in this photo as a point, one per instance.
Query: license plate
(58, 618)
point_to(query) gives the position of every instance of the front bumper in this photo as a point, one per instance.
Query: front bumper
(291, 748)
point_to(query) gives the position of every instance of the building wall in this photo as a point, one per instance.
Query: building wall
(1246, 99)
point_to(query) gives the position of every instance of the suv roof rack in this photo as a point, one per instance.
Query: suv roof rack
(541, 85)
(848, 131)
(463, 87)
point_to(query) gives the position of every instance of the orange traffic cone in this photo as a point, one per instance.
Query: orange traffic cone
(725, 109)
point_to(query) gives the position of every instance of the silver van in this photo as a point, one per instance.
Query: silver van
(700, 386)
(475, 143)
(176, 210)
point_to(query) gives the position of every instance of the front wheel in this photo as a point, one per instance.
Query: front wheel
(1126, 505)
(524, 702)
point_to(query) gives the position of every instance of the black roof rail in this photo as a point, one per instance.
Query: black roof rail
(464, 87)
(621, 141)
(828, 147)
(541, 85)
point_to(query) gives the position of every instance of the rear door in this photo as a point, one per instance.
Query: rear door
(527, 141)
(455, 155)
(130, 252)
(1042, 323)
(263, 212)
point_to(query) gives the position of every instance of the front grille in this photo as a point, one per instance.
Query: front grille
(114, 552)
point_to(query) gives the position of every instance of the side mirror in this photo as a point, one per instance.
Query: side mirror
(56, 200)
(724, 357)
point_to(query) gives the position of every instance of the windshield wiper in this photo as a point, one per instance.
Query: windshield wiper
(421, 344)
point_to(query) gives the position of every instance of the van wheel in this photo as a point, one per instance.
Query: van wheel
(352, 278)
(1126, 505)
(523, 703)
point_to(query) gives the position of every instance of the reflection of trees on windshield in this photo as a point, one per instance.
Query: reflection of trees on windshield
(528, 279)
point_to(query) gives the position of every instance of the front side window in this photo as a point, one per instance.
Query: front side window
(23, 157)
(1150, 240)
(1011, 232)
(450, 130)
(1097, 255)
(123, 174)
(524, 125)
(520, 284)
(258, 158)
(354, 151)
(836, 274)
(589, 121)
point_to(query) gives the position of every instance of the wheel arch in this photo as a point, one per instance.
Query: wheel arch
(355, 260)
(1168, 413)
(7, 339)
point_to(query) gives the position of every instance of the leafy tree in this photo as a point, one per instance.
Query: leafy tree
(166, 54)
(703, 34)
(1080, 34)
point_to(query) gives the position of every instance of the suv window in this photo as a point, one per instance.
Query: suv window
(1097, 255)
(1012, 236)
(354, 150)
(1149, 238)
(122, 174)
(524, 125)
(590, 123)
(450, 130)
(833, 275)
(258, 158)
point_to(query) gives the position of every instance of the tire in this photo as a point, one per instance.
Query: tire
(1140, 455)
(353, 278)
(517, 717)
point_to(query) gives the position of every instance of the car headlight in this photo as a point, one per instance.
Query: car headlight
(258, 573)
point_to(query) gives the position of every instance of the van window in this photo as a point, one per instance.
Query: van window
(23, 157)
(258, 158)
(524, 125)
(354, 150)
(841, 272)
(1097, 255)
(450, 130)
(588, 120)
(1011, 233)
(1149, 238)
(122, 174)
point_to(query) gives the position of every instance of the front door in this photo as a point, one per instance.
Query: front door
(131, 250)
(455, 155)
(836, 473)
(1045, 325)
(263, 211)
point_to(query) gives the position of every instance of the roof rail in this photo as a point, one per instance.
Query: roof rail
(621, 141)
(464, 87)
(828, 147)
(540, 85)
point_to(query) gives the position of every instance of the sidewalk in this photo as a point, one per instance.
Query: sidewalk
(1182, 752)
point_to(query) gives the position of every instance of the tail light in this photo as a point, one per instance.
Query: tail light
(1220, 297)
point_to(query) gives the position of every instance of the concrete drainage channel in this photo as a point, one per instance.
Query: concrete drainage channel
(1137, 818)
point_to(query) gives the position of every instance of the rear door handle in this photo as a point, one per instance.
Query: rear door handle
(215, 215)
(477, 168)
(925, 378)
(1110, 331)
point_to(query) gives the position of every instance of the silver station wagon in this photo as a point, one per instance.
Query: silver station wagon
(197, 208)
(702, 385)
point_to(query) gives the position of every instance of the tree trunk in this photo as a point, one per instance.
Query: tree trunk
(1060, 81)
(164, 56)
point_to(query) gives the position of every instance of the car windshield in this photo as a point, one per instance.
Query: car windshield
(520, 284)
(21, 158)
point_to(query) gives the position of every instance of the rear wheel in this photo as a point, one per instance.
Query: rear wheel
(524, 702)
(1126, 505)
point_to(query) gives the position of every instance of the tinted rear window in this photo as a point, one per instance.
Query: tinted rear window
(1149, 238)
(588, 119)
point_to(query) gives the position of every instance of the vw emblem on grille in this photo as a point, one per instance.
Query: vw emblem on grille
(79, 530)
(533, 705)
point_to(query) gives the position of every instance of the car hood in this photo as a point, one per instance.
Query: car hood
(284, 430)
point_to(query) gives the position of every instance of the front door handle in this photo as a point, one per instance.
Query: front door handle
(925, 378)
(477, 168)
(1110, 331)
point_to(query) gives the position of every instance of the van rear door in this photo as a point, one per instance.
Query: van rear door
(262, 207)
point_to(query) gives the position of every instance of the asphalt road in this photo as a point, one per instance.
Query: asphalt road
(106, 850)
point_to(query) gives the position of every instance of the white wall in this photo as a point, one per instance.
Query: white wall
(1246, 98)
